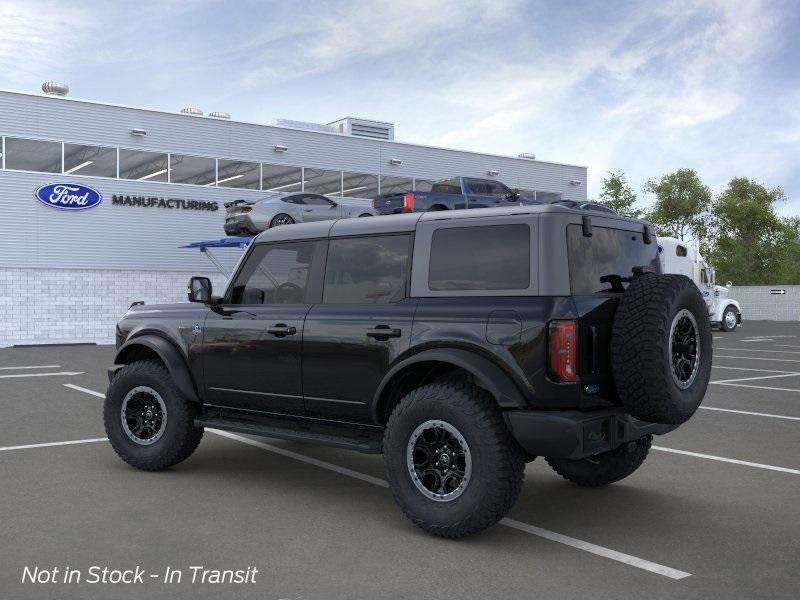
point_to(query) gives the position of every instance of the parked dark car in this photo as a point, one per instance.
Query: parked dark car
(460, 345)
(452, 194)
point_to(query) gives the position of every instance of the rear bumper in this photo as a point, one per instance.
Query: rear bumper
(574, 434)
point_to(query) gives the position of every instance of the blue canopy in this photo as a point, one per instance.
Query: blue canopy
(238, 241)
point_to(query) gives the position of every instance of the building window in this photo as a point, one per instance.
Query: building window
(280, 178)
(238, 174)
(325, 182)
(143, 166)
(396, 185)
(196, 170)
(366, 270)
(98, 161)
(500, 258)
(33, 155)
(359, 185)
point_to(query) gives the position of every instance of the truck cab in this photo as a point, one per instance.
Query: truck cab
(681, 258)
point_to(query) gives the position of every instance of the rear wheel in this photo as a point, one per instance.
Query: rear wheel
(450, 461)
(606, 468)
(729, 319)
(149, 423)
(281, 219)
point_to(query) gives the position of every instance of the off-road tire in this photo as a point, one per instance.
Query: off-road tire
(723, 325)
(498, 463)
(641, 362)
(606, 468)
(180, 437)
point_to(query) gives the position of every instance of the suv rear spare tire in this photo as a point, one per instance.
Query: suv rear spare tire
(661, 348)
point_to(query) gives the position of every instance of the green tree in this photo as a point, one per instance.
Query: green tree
(618, 195)
(681, 205)
(751, 244)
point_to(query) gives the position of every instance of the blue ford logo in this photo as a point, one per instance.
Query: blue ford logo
(68, 196)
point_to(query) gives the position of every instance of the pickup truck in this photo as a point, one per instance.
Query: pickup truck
(452, 194)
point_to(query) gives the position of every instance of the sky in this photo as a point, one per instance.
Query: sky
(639, 87)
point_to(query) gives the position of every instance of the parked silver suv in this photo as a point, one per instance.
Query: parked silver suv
(246, 217)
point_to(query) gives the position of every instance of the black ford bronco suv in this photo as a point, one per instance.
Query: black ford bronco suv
(459, 344)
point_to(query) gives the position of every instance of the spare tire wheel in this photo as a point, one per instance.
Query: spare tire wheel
(661, 348)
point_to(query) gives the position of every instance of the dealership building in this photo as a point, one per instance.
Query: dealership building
(160, 181)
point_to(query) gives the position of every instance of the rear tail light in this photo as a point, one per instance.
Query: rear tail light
(246, 209)
(408, 202)
(562, 350)
(374, 203)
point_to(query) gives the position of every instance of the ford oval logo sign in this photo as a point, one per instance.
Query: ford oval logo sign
(68, 196)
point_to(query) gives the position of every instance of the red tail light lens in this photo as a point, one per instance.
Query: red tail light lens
(246, 209)
(408, 202)
(374, 202)
(561, 350)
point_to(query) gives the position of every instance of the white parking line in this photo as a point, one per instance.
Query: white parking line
(757, 340)
(729, 460)
(48, 444)
(759, 387)
(84, 390)
(747, 412)
(16, 375)
(31, 367)
(742, 369)
(792, 360)
(754, 378)
(537, 531)
(786, 346)
(760, 350)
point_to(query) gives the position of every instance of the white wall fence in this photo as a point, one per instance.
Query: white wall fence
(768, 302)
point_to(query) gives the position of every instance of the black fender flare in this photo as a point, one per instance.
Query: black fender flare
(169, 355)
(488, 375)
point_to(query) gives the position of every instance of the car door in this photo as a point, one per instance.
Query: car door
(252, 341)
(361, 326)
(479, 194)
(319, 208)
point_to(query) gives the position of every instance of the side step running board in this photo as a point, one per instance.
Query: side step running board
(371, 442)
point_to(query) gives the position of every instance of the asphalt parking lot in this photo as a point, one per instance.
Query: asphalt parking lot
(713, 513)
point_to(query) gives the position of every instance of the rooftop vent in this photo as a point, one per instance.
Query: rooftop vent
(219, 115)
(303, 125)
(527, 155)
(376, 130)
(192, 110)
(53, 88)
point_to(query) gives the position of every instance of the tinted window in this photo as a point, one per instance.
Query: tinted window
(238, 174)
(275, 274)
(144, 166)
(396, 185)
(366, 270)
(197, 170)
(321, 181)
(278, 178)
(495, 257)
(607, 252)
(315, 200)
(90, 160)
(359, 185)
(425, 185)
(33, 155)
(445, 187)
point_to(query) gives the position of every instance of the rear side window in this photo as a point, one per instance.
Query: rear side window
(366, 270)
(494, 257)
(446, 187)
(607, 252)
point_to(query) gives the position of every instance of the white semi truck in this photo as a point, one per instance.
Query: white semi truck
(678, 257)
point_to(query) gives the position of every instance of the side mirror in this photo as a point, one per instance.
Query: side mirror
(199, 289)
(729, 284)
(334, 204)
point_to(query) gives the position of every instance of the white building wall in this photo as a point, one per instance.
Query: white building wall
(760, 303)
(40, 306)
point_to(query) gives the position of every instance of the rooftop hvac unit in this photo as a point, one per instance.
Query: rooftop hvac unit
(53, 88)
(376, 130)
(527, 155)
(192, 110)
(303, 125)
(215, 114)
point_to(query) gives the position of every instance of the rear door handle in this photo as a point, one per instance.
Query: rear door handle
(282, 330)
(383, 332)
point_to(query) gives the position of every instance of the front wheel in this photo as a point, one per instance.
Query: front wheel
(603, 469)
(729, 319)
(148, 421)
(451, 463)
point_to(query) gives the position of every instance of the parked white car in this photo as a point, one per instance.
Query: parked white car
(681, 258)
